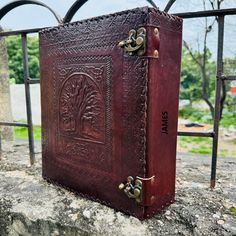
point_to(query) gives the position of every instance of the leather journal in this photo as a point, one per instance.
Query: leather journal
(109, 88)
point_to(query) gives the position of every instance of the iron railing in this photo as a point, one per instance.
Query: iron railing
(220, 77)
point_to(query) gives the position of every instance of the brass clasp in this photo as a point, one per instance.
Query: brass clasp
(136, 42)
(132, 188)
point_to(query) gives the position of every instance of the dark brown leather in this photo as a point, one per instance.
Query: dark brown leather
(104, 112)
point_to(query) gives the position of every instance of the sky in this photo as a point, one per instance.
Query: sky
(30, 16)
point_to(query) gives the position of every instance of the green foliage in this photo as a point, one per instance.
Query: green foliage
(228, 118)
(230, 66)
(190, 85)
(203, 116)
(199, 145)
(15, 58)
(22, 132)
(195, 114)
(201, 149)
(196, 145)
(196, 140)
(230, 102)
(191, 76)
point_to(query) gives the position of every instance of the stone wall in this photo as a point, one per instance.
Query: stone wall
(5, 103)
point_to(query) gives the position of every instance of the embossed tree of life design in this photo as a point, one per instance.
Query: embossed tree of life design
(82, 112)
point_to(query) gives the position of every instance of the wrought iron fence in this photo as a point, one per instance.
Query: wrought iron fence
(220, 77)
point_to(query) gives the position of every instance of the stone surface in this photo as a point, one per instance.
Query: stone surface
(31, 206)
(5, 103)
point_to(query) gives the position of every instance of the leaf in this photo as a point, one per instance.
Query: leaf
(232, 209)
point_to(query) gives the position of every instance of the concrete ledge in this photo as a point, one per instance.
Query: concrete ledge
(31, 206)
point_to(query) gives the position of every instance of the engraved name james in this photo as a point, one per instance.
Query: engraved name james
(164, 123)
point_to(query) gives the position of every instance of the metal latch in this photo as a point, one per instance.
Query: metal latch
(132, 188)
(136, 42)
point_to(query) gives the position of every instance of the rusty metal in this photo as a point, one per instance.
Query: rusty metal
(186, 15)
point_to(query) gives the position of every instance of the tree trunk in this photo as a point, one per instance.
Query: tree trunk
(6, 132)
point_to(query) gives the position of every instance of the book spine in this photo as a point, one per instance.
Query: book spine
(162, 110)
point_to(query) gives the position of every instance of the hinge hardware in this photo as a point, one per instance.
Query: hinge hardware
(132, 188)
(136, 42)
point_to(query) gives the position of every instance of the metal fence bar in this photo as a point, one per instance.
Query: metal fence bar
(209, 13)
(169, 5)
(229, 77)
(17, 3)
(13, 124)
(27, 82)
(196, 134)
(217, 112)
(33, 81)
(220, 77)
(16, 32)
(27, 98)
